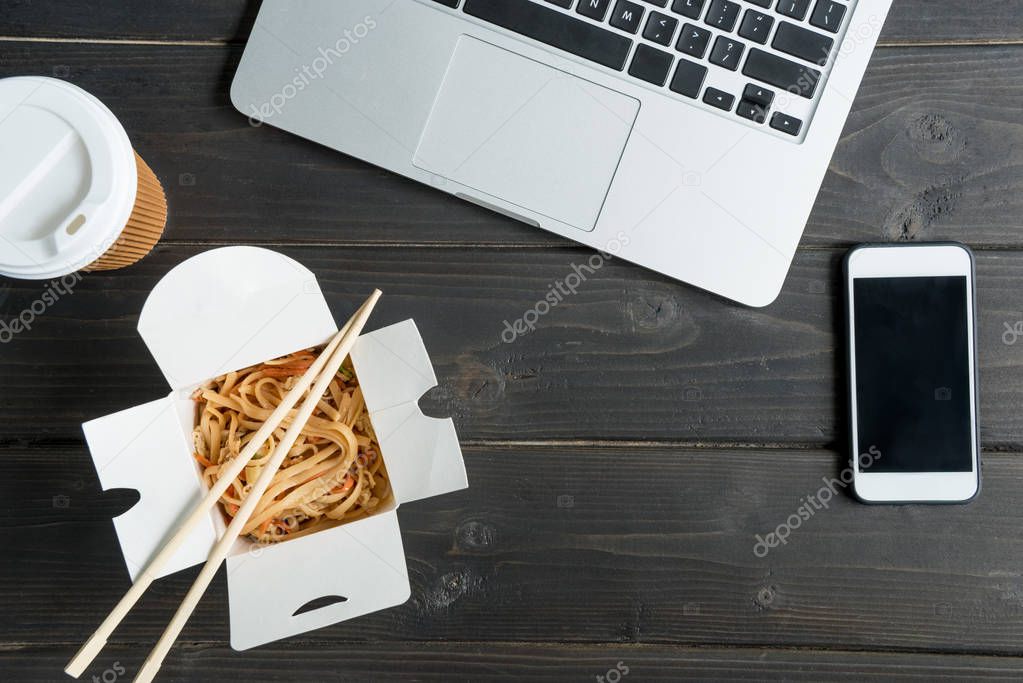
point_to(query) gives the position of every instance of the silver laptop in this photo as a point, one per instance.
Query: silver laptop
(688, 136)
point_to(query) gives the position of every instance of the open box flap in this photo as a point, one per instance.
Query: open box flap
(422, 453)
(362, 563)
(229, 308)
(144, 449)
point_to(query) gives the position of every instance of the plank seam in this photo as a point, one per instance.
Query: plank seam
(12, 444)
(493, 246)
(556, 644)
(121, 41)
(881, 45)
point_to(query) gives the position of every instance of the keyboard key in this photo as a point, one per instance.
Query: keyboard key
(718, 98)
(659, 3)
(688, 78)
(449, 3)
(594, 9)
(828, 15)
(763, 3)
(556, 29)
(660, 28)
(722, 14)
(693, 41)
(781, 73)
(786, 124)
(752, 111)
(566, 4)
(727, 53)
(793, 8)
(758, 95)
(627, 16)
(688, 8)
(756, 26)
(803, 43)
(651, 65)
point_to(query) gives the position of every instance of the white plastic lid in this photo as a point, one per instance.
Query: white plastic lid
(68, 178)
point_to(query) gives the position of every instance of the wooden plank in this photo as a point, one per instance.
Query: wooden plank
(910, 21)
(178, 20)
(513, 661)
(928, 22)
(923, 156)
(630, 356)
(639, 545)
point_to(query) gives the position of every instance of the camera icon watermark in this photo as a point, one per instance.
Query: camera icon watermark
(61, 502)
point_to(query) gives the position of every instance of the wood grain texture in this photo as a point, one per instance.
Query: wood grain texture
(622, 458)
(609, 545)
(632, 356)
(910, 21)
(475, 662)
(930, 152)
(167, 20)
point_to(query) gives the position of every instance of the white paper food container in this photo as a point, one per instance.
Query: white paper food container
(227, 309)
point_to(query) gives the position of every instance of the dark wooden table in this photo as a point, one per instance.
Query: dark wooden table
(622, 458)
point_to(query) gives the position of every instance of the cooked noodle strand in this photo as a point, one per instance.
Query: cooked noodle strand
(333, 474)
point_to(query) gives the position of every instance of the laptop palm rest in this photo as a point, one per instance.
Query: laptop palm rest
(526, 133)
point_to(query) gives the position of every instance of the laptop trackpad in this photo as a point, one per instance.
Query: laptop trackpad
(527, 133)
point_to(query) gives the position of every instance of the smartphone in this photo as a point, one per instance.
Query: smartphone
(913, 373)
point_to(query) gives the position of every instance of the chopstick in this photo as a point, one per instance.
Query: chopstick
(331, 358)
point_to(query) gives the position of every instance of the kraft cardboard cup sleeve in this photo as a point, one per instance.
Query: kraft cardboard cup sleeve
(74, 195)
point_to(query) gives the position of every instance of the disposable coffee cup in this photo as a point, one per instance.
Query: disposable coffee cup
(74, 195)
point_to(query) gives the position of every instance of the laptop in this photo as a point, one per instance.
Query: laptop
(687, 136)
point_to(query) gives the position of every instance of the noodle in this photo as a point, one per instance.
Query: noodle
(334, 472)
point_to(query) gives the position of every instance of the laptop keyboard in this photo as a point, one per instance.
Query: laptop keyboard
(761, 62)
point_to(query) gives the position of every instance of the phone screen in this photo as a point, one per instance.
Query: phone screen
(913, 373)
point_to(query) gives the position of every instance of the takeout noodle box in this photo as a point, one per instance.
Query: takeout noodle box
(227, 309)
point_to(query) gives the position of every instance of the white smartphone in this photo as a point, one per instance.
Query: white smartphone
(913, 373)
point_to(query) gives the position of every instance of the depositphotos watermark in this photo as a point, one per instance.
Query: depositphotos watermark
(808, 80)
(561, 289)
(820, 500)
(50, 296)
(614, 674)
(311, 72)
(111, 675)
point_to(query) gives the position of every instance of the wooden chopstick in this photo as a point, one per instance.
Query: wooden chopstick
(241, 518)
(98, 640)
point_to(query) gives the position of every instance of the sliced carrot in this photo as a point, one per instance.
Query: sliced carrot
(306, 481)
(345, 486)
(202, 460)
(289, 370)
